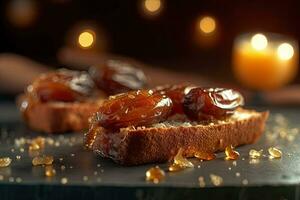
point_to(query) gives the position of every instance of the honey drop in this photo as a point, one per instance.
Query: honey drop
(42, 160)
(231, 154)
(155, 175)
(205, 155)
(274, 152)
(5, 161)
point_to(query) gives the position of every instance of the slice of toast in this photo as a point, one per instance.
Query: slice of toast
(160, 142)
(59, 117)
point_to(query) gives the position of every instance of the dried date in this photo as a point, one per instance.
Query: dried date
(176, 93)
(62, 85)
(115, 76)
(136, 108)
(211, 103)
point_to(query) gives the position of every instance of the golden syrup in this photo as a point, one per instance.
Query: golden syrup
(255, 154)
(274, 152)
(231, 154)
(37, 143)
(50, 171)
(174, 168)
(155, 175)
(182, 161)
(205, 155)
(42, 160)
(5, 161)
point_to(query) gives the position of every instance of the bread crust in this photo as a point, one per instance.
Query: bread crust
(59, 117)
(147, 145)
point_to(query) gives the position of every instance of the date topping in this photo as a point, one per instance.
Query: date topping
(62, 85)
(136, 108)
(176, 93)
(211, 103)
(116, 76)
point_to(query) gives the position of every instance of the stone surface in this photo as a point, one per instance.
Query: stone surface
(91, 177)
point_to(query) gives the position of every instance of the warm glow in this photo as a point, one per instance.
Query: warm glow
(86, 38)
(152, 5)
(207, 24)
(268, 62)
(285, 51)
(259, 41)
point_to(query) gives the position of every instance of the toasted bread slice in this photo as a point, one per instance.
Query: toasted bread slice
(59, 117)
(160, 142)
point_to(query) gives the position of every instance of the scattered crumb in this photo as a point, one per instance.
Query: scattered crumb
(234, 163)
(255, 154)
(253, 161)
(42, 160)
(85, 178)
(201, 181)
(18, 180)
(64, 180)
(98, 180)
(50, 171)
(245, 182)
(5, 162)
(274, 152)
(216, 180)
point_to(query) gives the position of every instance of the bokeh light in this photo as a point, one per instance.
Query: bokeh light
(86, 38)
(259, 41)
(207, 24)
(285, 51)
(152, 5)
(206, 31)
(150, 8)
(87, 35)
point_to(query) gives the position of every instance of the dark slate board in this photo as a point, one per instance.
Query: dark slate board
(91, 177)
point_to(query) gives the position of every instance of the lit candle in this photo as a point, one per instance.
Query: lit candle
(265, 61)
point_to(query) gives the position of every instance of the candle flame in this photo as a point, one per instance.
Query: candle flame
(285, 51)
(259, 41)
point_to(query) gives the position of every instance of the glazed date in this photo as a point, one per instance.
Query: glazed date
(62, 85)
(135, 108)
(176, 93)
(116, 76)
(211, 103)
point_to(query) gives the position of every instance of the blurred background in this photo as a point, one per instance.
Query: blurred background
(204, 37)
